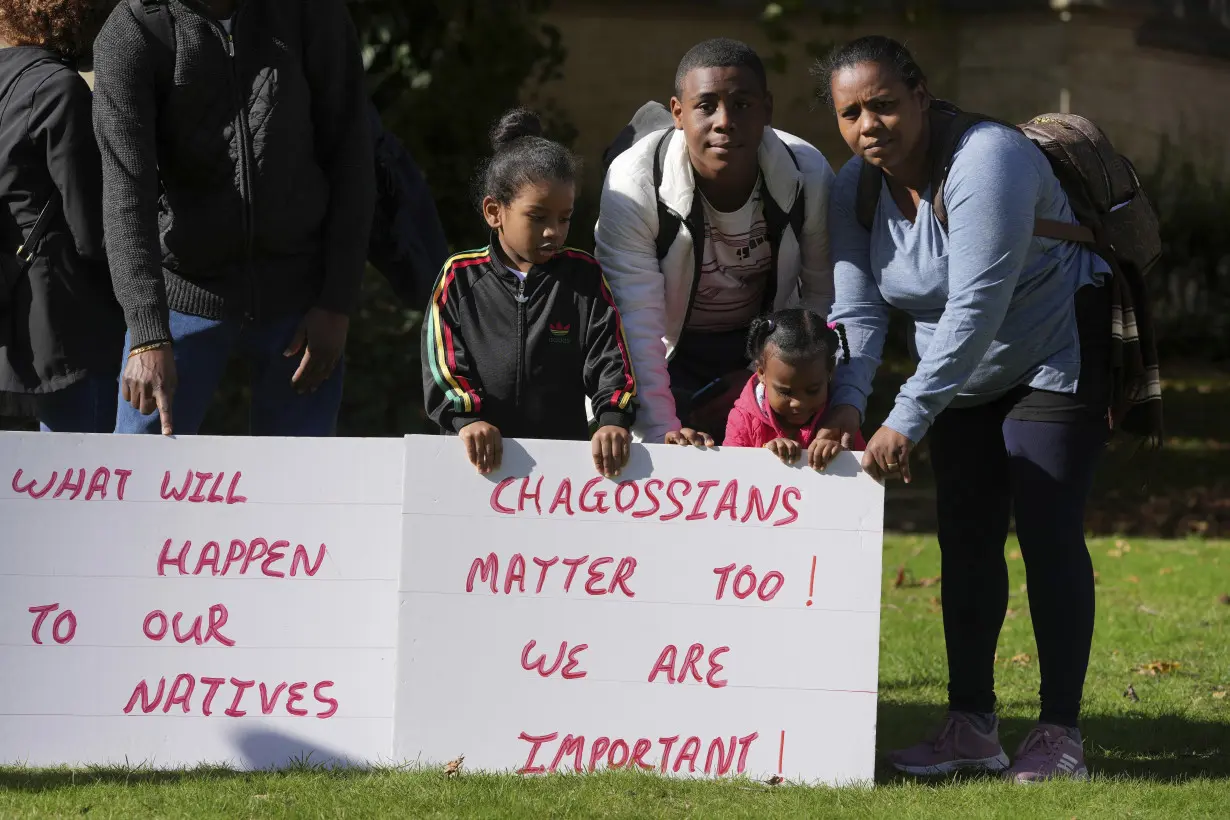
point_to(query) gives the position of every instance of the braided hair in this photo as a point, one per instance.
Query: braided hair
(797, 335)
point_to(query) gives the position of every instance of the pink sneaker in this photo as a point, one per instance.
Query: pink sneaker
(1049, 752)
(956, 745)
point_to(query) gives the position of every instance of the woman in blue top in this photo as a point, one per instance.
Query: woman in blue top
(1012, 384)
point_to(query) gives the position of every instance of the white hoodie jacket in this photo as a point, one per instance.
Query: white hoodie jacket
(653, 298)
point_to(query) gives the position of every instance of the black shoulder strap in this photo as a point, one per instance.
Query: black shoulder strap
(668, 223)
(155, 17)
(948, 127)
(776, 221)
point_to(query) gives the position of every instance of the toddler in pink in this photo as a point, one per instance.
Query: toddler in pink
(784, 401)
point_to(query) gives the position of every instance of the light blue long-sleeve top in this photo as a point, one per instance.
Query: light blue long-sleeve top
(992, 304)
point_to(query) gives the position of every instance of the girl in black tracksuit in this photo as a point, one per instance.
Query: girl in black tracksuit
(520, 334)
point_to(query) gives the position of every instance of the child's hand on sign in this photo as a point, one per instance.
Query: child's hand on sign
(484, 445)
(788, 450)
(689, 437)
(821, 451)
(610, 447)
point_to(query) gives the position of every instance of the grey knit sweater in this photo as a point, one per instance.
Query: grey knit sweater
(238, 178)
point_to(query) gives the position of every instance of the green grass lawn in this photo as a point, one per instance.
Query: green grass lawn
(1166, 753)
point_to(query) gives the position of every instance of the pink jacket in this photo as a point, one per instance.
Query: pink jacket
(752, 423)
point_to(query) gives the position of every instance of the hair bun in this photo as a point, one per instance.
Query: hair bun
(515, 124)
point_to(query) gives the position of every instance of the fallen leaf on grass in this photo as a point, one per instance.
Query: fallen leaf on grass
(1132, 579)
(1225, 599)
(453, 767)
(1097, 577)
(1219, 695)
(1024, 588)
(1165, 571)
(1020, 659)
(903, 579)
(1120, 544)
(936, 605)
(1011, 613)
(1114, 553)
(1130, 694)
(1015, 555)
(774, 780)
(1155, 668)
(1146, 610)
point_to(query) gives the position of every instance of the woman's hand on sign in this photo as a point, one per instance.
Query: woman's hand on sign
(484, 445)
(611, 446)
(689, 437)
(840, 424)
(786, 449)
(149, 384)
(821, 451)
(322, 338)
(888, 455)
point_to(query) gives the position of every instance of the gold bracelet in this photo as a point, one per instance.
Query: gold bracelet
(147, 348)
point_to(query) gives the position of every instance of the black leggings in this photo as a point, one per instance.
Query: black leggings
(987, 465)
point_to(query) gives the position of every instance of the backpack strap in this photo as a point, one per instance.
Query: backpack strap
(668, 223)
(776, 222)
(155, 17)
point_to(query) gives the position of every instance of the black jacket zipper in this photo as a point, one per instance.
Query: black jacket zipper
(521, 300)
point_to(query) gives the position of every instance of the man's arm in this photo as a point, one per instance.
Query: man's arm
(626, 248)
(125, 121)
(334, 68)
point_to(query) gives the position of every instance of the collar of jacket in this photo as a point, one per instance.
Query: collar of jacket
(496, 251)
(782, 178)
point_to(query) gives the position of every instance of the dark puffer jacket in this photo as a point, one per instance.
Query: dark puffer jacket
(237, 171)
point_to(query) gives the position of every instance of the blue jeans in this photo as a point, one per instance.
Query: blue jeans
(204, 347)
(88, 406)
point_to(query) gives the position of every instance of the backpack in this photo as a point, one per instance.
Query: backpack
(651, 118)
(1105, 194)
(407, 243)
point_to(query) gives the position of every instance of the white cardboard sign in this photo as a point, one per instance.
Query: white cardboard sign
(219, 600)
(710, 613)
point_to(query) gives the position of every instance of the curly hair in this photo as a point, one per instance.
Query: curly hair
(64, 26)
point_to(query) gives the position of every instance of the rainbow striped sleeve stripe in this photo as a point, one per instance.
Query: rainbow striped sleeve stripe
(441, 349)
(623, 396)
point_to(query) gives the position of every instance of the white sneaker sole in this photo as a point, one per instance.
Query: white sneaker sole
(998, 763)
(1078, 774)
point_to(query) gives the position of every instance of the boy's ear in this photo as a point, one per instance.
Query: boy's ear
(677, 112)
(492, 212)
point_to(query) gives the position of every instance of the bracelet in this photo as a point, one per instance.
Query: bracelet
(146, 348)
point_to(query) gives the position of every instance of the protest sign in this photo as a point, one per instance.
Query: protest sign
(172, 602)
(708, 613)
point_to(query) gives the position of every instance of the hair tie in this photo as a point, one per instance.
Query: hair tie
(841, 337)
(772, 325)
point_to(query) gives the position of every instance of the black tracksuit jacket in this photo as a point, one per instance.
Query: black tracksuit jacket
(525, 355)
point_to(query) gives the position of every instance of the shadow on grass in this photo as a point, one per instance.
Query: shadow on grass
(259, 752)
(1164, 748)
